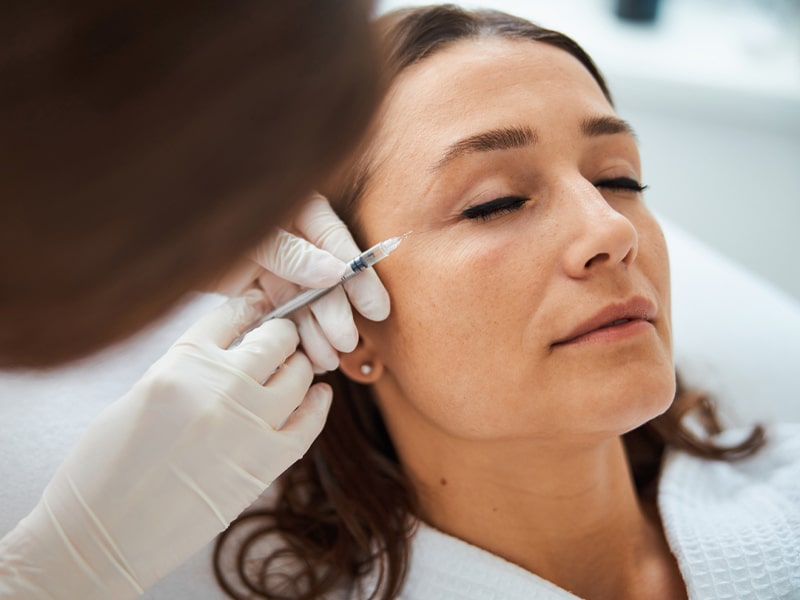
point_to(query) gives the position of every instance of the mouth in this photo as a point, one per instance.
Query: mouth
(613, 323)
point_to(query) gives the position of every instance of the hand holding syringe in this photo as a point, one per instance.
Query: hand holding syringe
(363, 261)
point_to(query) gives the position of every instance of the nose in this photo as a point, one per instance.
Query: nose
(602, 237)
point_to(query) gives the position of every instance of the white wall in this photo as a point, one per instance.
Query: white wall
(713, 91)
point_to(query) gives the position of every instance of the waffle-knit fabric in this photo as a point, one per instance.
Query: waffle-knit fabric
(446, 568)
(734, 528)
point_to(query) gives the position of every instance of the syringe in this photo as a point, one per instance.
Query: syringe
(361, 262)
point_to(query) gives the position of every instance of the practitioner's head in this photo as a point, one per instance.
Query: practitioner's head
(147, 145)
(499, 146)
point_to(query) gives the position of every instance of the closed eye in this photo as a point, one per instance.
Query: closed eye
(494, 208)
(621, 184)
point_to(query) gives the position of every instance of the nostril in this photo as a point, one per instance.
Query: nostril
(630, 256)
(597, 258)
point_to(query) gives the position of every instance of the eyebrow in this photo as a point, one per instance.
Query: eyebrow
(507, 138)
(606, 125)
(504, 138)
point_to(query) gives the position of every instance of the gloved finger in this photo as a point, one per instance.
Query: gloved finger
(277, 290)
(335, 318)
(289, 443)
(317, 222)
(265, 348)
(306, 423)
(228, 321)
(314, 342)
(283, 392)
(297, 260)
(331, 311)
(320, 343)
(367, 294)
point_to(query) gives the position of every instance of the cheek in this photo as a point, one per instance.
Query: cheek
(655, 263)
(457, 328)
(652, 263)
(442, 305)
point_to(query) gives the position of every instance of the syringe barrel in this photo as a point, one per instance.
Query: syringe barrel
(368, 258)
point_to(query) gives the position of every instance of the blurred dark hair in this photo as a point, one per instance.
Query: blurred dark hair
(146, 145)
(343, 511)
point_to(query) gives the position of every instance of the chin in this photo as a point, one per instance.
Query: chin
(650, 401)
(626, 399)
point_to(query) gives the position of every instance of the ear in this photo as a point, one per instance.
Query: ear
(362, 365)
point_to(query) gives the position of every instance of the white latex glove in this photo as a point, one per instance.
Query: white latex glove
(168, 466)
(314, 255)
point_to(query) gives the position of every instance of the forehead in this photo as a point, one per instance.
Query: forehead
(486, 83)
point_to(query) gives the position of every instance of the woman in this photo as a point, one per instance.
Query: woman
(501, 433)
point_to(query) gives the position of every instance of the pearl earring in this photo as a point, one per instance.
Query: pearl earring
(366, 369)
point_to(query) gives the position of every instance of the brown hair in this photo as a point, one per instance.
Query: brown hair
(145, 145)
(343, 511)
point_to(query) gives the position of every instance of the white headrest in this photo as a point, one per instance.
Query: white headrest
(735, 335)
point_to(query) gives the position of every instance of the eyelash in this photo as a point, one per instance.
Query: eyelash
(621, 184)
(509, 204)
(494, 208)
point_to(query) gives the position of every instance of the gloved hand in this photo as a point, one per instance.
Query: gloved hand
(169, 465)
(285, 263)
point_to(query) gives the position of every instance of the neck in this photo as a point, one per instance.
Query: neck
(567, 512)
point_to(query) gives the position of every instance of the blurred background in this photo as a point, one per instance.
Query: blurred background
(712, 88)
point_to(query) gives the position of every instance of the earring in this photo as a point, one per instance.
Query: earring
(366, 368)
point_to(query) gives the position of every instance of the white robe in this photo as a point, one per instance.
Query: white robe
(734, 528)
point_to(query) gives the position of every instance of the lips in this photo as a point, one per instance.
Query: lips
(637, 309)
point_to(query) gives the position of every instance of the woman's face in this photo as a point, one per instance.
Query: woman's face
(533, 298)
